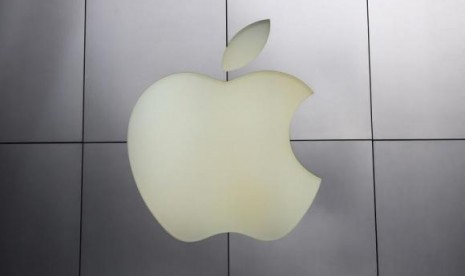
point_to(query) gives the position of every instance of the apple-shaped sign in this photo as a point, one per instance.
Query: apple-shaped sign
(211, 156)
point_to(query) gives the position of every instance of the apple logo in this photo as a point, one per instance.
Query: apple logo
(212, 156)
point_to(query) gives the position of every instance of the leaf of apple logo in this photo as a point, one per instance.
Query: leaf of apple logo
(210, 156)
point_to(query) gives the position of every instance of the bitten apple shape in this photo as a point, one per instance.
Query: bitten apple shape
(211, 156)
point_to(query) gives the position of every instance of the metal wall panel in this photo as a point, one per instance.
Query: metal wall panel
(336, 237)
(420, 187)
(417, 58)
(324, 43)
(120, 235)
(41, 70)
(130, 45)
(417, 53)
(39, 209)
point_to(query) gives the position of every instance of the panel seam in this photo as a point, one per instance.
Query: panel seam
(227, 79)
(372, 138)
(292, 140)
(82, 136)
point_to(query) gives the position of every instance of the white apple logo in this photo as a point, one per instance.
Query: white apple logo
(212, 156)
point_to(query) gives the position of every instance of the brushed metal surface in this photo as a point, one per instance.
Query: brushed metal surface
(120, 235)
(132, 45)
(41, 70)
(420, 208)
(323, 43)
(39, 209)
(336, 236)
(417, 58)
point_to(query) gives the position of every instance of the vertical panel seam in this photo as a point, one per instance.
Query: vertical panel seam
(227, 79)
(82, 136)
(372, 138)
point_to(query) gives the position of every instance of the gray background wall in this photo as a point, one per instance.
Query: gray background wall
(385, 130)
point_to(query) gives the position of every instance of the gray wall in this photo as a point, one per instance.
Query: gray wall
(385, 130)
